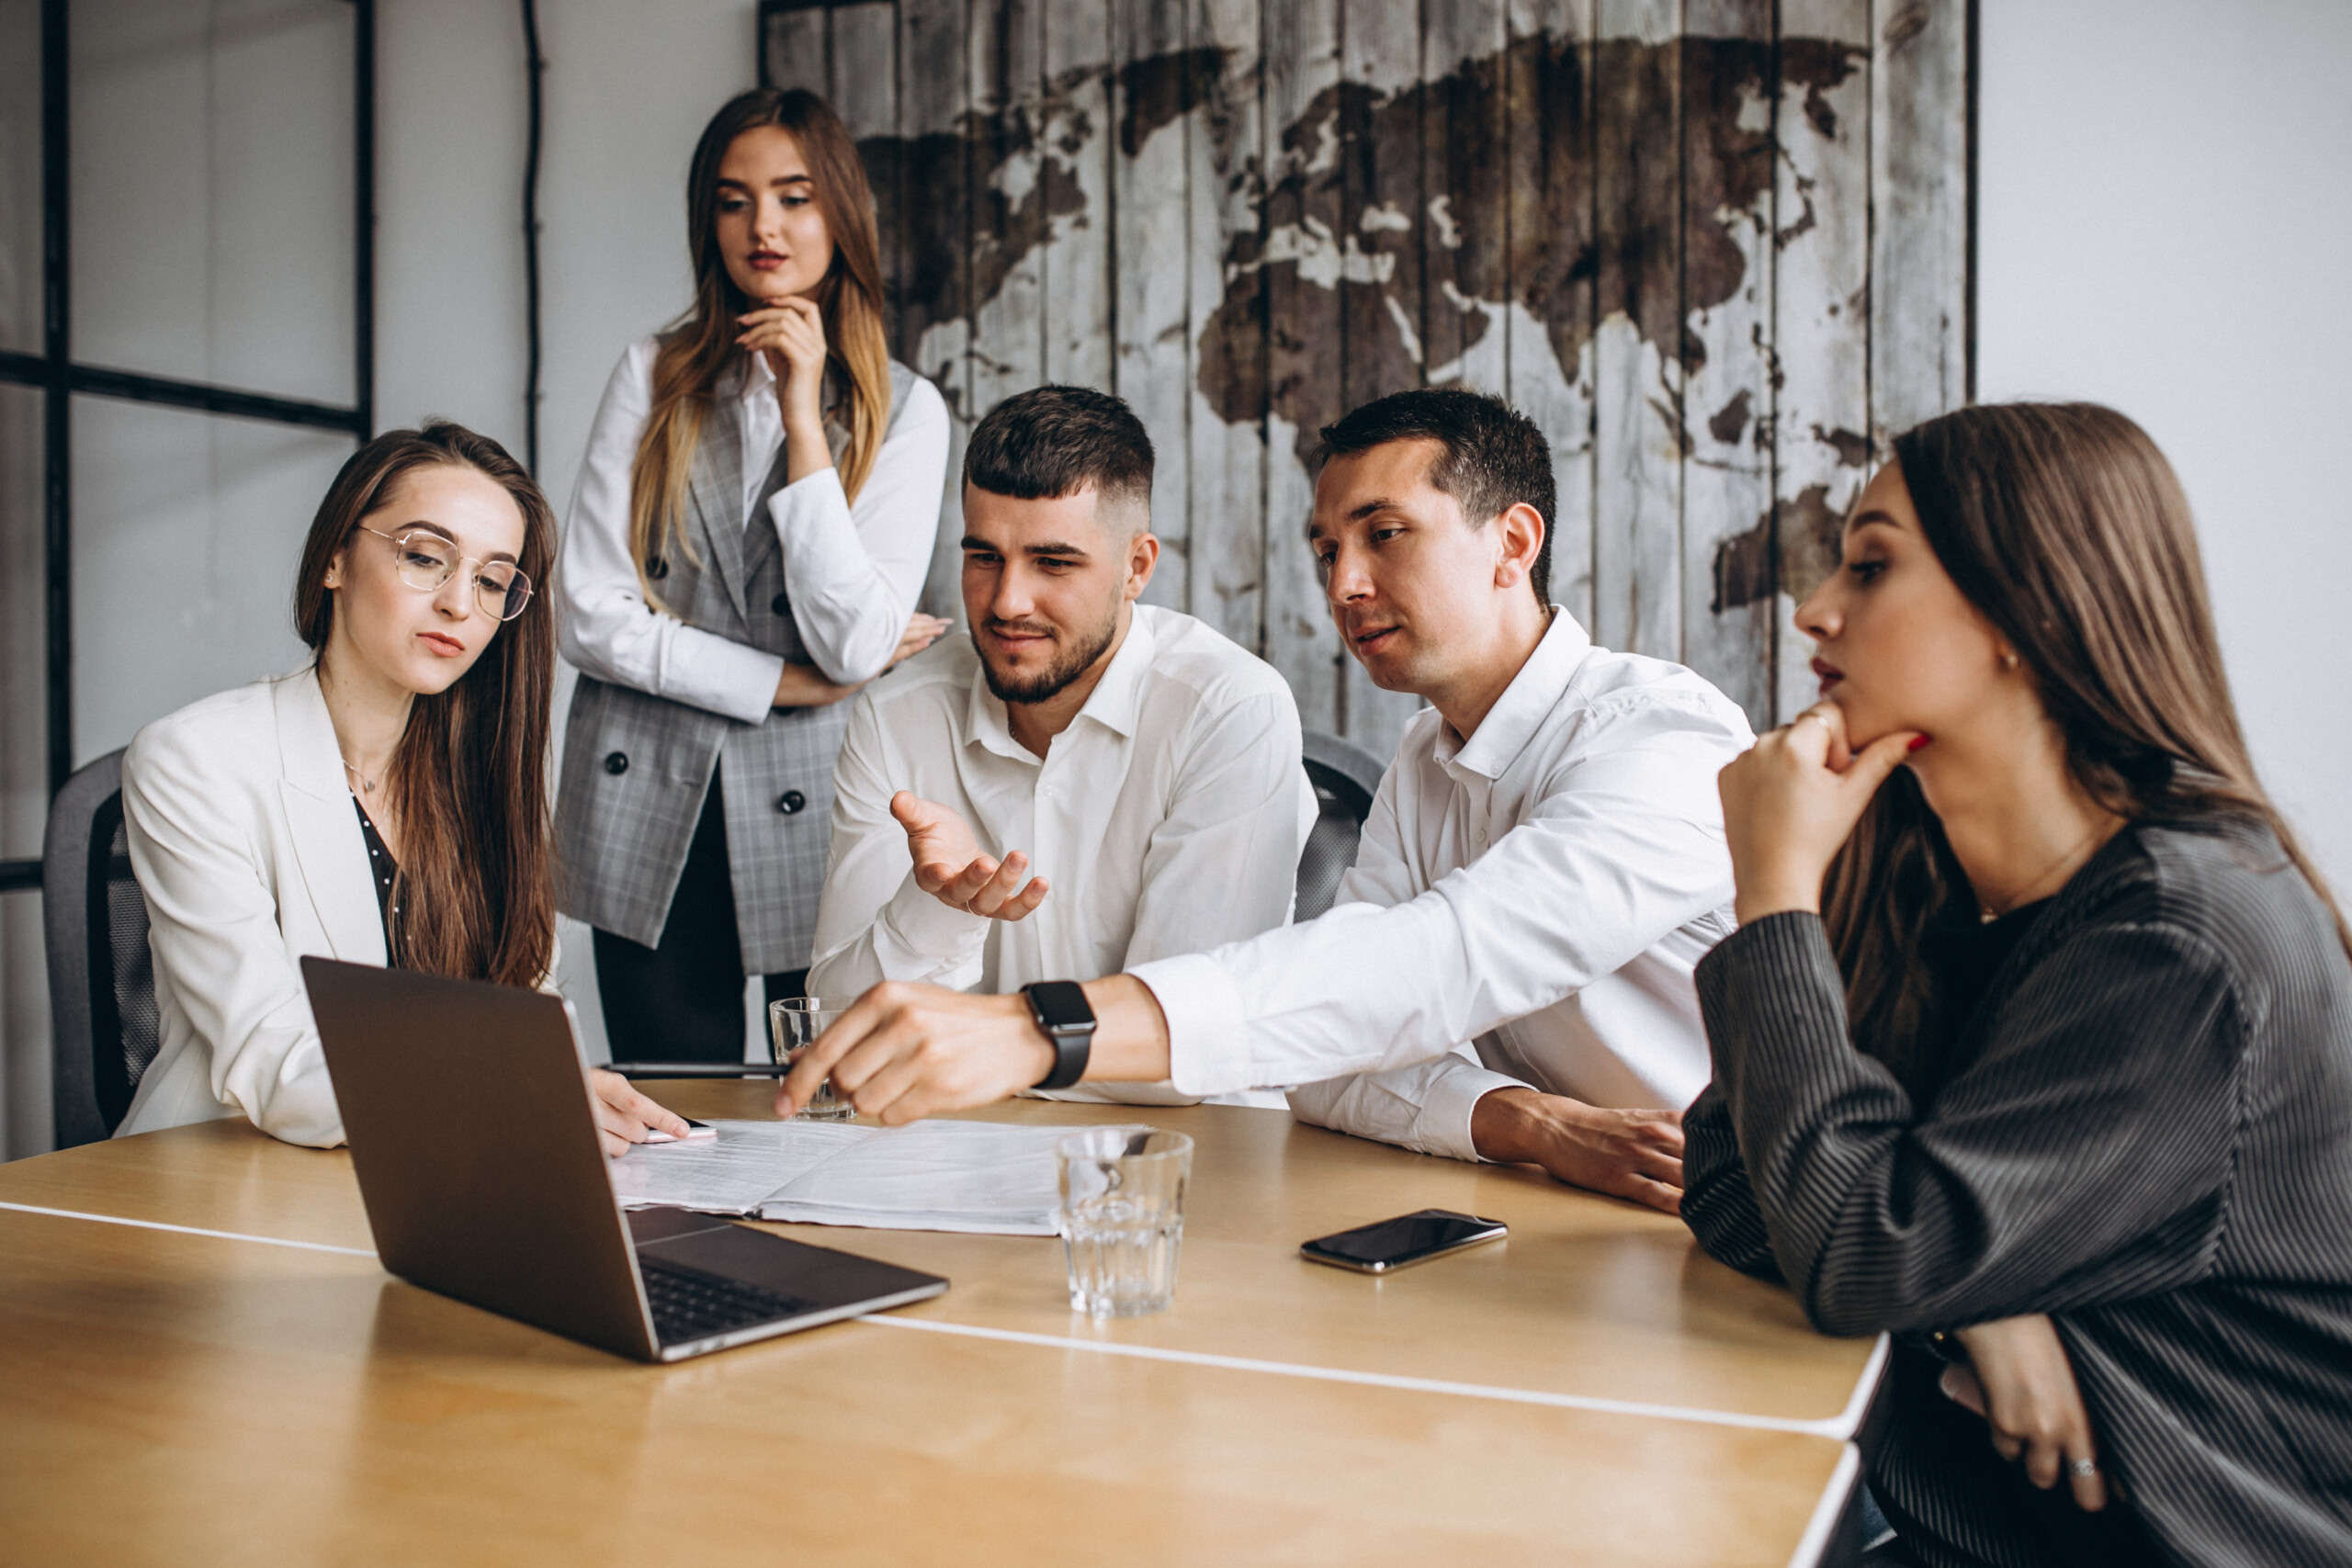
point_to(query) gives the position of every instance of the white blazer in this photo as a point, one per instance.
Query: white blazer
(249, 851)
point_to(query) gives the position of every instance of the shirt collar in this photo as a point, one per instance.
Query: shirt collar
(1116, 702)
(1519, 712)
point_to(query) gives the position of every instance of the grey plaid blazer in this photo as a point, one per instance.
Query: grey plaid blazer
(635, 767)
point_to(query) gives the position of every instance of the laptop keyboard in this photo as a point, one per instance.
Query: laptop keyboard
(690, 1305)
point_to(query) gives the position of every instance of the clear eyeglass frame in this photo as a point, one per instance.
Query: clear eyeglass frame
(426, 561)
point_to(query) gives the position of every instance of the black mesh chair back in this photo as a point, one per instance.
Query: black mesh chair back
(1345, 777)
(101, 973)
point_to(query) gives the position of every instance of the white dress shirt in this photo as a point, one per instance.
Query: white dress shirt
(853, 571)
(1526, 909)
(1166, 818)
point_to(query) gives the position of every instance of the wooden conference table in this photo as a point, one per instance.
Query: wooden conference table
(232, 1379)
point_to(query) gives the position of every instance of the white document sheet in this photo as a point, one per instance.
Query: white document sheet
(733, 1173)
(990, 1178)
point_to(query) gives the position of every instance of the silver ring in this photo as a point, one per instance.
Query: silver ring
(2082, 1469)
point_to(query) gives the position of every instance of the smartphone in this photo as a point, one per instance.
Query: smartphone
(694, 1129)
(1404, 1241)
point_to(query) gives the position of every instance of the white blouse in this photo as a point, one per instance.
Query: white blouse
(853, 571)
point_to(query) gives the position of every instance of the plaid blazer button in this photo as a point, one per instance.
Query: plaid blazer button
(781, 605)
(656, 567)
(791, 802)
(616, 763)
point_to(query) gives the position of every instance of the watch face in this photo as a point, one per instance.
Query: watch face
(1061, 1004)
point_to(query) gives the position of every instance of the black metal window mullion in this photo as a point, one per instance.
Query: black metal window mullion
(54, 371)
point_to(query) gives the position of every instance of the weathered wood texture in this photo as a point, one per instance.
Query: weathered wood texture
(1718, 264)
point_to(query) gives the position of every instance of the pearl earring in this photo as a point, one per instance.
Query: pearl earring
(2008, 662)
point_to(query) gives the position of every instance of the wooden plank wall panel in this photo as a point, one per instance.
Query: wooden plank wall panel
(1821, 326)
(1154, 285)
(792, 52)
(1011, 215)
(1920, 206)
(1381, 277)
(1637, 513)
(1224, 156)
(1298, 247)
(1728, 162)
(933, 287)
(1717, 292)
(1554, 242)
(862, 69)
(1074, 151)
(1463, 218)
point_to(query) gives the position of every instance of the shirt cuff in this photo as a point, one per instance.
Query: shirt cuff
(815, 511)
(926, 929)
(1209, 1050)
(730, 677)
(1443, 1125)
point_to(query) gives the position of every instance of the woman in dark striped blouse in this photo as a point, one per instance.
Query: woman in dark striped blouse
(2034, 1047)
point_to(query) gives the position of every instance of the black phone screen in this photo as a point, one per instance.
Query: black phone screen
(1409, 1238)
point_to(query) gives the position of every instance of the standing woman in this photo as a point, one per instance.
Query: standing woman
(756, 514)
(387, 804)
(2034, 1045)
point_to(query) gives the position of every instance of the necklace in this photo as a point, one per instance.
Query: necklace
(1986, 914)
(366, 784)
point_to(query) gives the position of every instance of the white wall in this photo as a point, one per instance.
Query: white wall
(629, 86)
(2163, 226)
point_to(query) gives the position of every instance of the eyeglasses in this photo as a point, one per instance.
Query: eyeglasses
(428, 561)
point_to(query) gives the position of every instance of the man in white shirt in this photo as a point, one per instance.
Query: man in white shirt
(1147, 768)
(1544, 867)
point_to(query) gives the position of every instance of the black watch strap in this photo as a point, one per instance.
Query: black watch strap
(1065, 1018)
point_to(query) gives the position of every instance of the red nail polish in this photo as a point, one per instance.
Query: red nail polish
(1916, 742)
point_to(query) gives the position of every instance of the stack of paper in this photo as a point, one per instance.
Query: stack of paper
(986, 1177)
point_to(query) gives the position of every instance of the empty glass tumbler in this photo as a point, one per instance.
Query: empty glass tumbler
(794, 1024)
(1122, 1217)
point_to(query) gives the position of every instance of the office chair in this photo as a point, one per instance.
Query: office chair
(101, 974)
(1345, 777)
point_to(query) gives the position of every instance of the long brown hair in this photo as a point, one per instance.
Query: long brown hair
(2066, 528)
(700, 348)
(476, 886)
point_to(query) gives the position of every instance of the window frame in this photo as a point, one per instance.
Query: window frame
(60, 378)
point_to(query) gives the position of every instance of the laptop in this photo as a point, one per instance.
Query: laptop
(467, 1110)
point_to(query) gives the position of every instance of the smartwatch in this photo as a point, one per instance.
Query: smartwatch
(1060, 1009)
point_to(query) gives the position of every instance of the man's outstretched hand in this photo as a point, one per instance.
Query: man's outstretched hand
(951, 868)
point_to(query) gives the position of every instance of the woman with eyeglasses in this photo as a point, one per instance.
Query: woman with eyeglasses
(756, 514)
(386, 805)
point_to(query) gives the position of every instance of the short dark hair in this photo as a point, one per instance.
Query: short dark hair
(1050, 442)
(1494, 458)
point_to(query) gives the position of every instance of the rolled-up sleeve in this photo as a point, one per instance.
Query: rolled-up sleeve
(875, 922)
(608, 629)
(1425, 1107)
(855, 570)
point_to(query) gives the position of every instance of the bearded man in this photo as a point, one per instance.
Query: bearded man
(1088, 783)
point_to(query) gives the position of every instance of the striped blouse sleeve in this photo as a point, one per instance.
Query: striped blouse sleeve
(2082, 1157)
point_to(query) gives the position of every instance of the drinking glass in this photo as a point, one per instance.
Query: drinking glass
(1122, 1217)
(794, 1024)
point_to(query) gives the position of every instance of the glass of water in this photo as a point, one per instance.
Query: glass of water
(794, 1024)
(1122, 1217)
